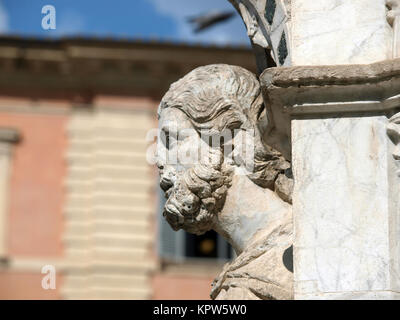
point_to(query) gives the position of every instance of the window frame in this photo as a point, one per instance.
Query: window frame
(8, 137)
(171, 245)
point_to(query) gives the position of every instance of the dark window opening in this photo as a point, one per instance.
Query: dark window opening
(181, 245)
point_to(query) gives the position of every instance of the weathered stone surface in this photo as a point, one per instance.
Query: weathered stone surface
(312, 90)
(334, 32)
(334, 120)
(227, 187)
(310, 76)
(260, 272)
(393, 130)
(329, 32)
(284, 186)
(342, 199)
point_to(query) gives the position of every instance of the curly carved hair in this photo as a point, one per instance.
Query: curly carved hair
(218, 97)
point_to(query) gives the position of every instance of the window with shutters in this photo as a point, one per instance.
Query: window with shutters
(178, 246)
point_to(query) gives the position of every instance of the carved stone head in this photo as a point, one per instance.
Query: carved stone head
(205, 120)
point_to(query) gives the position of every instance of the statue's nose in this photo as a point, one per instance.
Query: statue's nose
(160, 161)
(159, 165)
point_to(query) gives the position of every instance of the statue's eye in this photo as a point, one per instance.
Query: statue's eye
(167, 141)
(164, 137)
(171, 141)
(168, 137)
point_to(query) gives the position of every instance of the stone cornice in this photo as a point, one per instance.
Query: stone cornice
(89, 66)
(326, 91)
(307, 76)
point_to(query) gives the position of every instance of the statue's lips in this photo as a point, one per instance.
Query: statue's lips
(171, 212)
(166, 184)
(173, 216)
(168, 192)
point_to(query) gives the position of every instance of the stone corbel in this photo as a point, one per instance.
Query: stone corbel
(302, 91)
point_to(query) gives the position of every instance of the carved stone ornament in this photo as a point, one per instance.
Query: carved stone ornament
(213, 180)
(267, 24)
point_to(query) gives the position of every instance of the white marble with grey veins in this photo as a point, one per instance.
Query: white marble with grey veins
(328, 32)
(344, 143)
(334, 32)
(342, 202)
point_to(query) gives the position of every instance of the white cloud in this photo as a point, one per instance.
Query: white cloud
(4, 26)
(232, 31)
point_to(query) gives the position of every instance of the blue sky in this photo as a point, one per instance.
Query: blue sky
(164, 19)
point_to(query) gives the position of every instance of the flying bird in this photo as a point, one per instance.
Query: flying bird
(209, 19)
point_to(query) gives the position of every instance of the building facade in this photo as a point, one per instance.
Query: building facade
(78, 195)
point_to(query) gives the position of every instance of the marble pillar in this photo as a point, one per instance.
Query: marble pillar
(334, 32)
(347, 192)
(329, 111)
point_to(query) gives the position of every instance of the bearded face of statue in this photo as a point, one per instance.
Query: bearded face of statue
(208, 132)
(192, 174)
